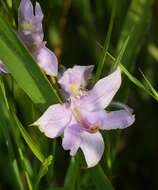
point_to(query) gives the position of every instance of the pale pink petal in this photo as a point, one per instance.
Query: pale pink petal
(38, 10)
(72, 138)
(92, 120)
(117, 120)
(47, 61)
(92, 146)
(37, 20)
(75, 78)
(53, 122)
(102, 93)
(25, 10)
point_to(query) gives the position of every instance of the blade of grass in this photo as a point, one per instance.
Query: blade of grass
(149, 86)
(133, 79)
(43, 170)
(100, 179)
(106, 45)
(121, 54)
(70, 180)
(5, 125)
(17, 174)
(138, 17)
(32, 145)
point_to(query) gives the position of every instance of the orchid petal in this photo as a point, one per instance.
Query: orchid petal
(102, 93)
(38, 10)
(118, 120)
(72, 139)
(3, 69)
(25, 10)
(75, 78)
(120, 105)
(92, 146)
(38, 19)
(47, 61)
(92, 120)
(53, 122)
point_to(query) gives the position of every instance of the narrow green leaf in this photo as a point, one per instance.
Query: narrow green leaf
(17, 174)
(43, 170)
(149, 85)
(138, 17)
(131, 77)
(24, 168)
(24, 69)
(32, 145)
(121, 53)
(5, 124)
(72, 174)
(100, 179)
(106, 45)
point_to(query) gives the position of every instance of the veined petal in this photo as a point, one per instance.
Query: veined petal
(47, 61)
(75, 78)
(53, 122)
(102, 93)
(72, 138)
(118, 120)
(25, 10)
(92, 146)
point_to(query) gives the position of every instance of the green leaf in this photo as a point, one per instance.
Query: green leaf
(70, 180)
(32, 145)
(100, 179)
(121, 53)
(17, 174)
(43, 170)
(138, 17)
(106, 45)
(24, 69)
(5, 125)
(132, 78)
(149, 86)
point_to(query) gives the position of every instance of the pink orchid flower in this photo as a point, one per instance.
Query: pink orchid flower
(81, 118)
(31, 32)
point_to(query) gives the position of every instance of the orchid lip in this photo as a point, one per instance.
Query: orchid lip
(84, 123)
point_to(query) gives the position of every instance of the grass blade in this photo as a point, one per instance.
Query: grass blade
(138, 17)
(43, 170)
(100, 179)
(72, 174)
(121, 54)
(149, 86)
(106, 45)
(32, 145)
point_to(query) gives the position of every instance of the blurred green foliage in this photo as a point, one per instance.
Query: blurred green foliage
(76, 31)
